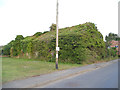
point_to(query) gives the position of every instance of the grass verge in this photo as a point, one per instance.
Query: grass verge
(15, 69)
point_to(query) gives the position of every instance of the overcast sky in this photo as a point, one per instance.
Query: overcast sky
(26, 17)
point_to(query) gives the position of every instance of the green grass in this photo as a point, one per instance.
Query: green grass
(15, 69)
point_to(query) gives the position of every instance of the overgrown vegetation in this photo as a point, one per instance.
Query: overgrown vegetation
(37, 34)
(78, 44)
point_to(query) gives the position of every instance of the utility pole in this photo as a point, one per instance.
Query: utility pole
(57, 48)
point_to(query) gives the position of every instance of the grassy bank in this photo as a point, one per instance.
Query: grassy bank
(14, 69)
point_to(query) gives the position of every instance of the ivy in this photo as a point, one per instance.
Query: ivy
(78, 44)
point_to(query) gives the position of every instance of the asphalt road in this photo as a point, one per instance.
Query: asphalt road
(105, 77)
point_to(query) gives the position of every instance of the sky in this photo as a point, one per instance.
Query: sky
(26, 17)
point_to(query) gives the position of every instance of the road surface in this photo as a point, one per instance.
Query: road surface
(105, 77)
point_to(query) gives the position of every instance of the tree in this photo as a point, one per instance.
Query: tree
(111, 36)
(6, 48)
(53, 27)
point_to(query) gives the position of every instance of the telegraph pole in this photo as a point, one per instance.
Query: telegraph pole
(57, 48)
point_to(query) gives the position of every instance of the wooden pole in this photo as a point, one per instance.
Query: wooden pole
(57, 35)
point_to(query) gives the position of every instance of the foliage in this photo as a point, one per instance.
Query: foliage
(38, 34)
(45, 32)
(14, 47)
(1, 50)
(19, 37)
(6, 48)
(78, 44)
(53, 27)
(112, 36)
(112, 52)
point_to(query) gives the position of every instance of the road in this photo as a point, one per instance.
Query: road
(105, 77)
